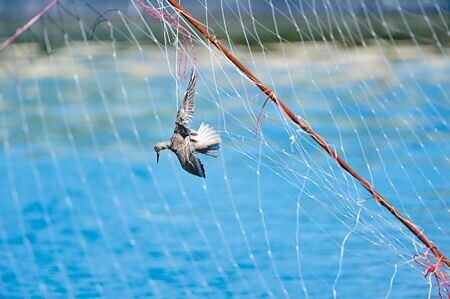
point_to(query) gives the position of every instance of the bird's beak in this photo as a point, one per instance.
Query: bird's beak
(157, 157)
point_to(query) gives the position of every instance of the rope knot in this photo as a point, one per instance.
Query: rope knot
(434, 267)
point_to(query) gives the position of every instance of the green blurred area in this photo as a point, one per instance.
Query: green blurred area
(348, 25)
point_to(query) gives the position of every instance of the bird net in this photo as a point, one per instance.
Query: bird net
(88, 87)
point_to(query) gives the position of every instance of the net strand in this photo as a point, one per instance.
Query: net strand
(316, 137)
(185, 35)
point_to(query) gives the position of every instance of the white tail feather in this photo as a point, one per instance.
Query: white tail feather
(206, 140)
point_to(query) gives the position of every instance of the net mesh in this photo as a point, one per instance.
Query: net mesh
(92, 86)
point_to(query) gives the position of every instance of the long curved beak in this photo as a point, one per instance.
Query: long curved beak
(157, 157)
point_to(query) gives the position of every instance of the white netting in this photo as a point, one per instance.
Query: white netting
(92, 86)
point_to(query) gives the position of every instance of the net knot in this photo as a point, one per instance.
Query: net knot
(435, 267)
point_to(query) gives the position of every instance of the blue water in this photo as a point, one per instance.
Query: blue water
(86, 212)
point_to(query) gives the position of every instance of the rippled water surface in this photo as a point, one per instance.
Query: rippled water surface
(85, 211)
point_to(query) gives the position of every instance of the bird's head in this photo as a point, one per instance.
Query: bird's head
(159, 147)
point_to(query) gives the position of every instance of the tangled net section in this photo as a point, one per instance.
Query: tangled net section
(436, 268)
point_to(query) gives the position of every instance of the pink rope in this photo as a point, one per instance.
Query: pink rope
(27, 26)
(172, 21)
(434, 268)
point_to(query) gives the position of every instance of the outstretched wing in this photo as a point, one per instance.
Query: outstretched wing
(185, 113)
(189, 160)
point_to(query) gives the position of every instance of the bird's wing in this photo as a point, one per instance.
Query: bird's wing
(189, 160)
(185, 113)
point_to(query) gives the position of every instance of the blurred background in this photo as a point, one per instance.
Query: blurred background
(362, 19)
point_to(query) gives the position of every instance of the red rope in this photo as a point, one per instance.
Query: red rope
(316, 137)
(259, 115)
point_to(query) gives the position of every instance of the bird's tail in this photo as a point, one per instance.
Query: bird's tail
(206, 140)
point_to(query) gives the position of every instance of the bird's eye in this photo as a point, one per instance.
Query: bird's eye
(155, 148)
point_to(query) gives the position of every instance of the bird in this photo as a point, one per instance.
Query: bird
(185, 143)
